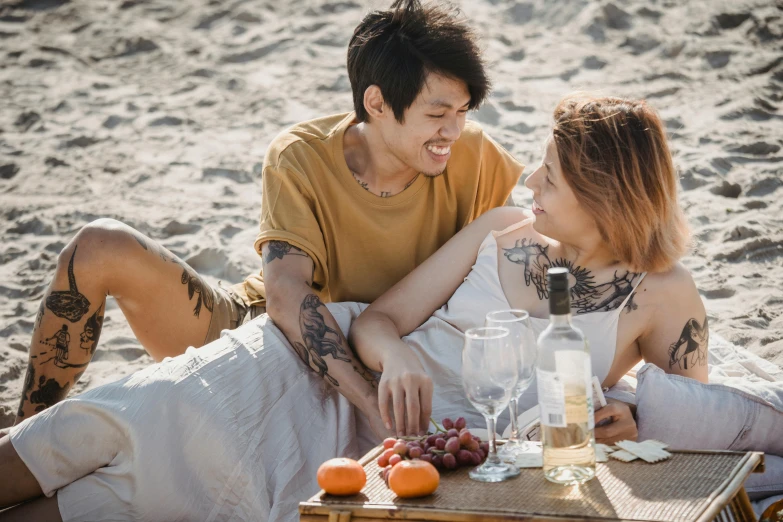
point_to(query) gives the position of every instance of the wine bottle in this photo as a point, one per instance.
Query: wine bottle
(564, 375)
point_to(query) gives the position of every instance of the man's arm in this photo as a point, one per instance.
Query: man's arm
(310, 328)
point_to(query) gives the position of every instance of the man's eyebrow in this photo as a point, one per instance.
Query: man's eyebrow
(446, 105)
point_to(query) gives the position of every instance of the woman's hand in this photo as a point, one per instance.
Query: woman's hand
(622, 426)
(407, 388)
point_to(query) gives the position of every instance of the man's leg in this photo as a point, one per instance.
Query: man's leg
(17, 484)
(168, 306)
(42, 509)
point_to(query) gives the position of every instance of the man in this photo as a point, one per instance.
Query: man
(351, 204)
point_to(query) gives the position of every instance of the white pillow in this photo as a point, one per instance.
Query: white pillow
(688, 414)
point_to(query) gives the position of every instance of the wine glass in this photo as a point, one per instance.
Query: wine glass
(488, 380)
(522, 339)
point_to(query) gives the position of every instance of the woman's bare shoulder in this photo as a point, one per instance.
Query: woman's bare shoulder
(675, 281)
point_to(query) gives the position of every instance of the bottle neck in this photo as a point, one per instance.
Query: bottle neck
(559, 302)
(560, 320)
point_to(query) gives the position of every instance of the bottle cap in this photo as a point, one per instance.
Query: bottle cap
(557, 279)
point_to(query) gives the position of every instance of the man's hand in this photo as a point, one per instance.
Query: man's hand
(622, 427)
(409, 388)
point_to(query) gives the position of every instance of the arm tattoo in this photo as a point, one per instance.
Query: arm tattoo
(691, 348)
(586, 295)
(280, 249)
(320, 340)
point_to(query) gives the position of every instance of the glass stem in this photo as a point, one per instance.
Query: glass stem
(492, 458)
(513, 409)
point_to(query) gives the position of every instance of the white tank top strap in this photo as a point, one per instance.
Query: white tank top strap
(493, 235)
(629, 296)
(515, 226)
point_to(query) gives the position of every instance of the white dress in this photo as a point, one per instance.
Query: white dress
(236, 430)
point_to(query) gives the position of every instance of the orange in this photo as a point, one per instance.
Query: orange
(341, 477)
(413, 478)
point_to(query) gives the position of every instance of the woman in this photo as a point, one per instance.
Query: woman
(237, 429)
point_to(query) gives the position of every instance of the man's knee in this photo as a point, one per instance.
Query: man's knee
(98, 243)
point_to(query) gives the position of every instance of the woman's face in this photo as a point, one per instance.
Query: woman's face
(558, 213)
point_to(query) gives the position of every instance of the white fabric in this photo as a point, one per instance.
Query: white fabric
(237, 429)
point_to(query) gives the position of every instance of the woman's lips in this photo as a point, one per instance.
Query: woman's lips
(537, 209)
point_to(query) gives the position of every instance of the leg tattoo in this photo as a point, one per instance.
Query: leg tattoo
(69, 304)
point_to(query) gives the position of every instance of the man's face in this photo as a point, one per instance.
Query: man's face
(431, 125)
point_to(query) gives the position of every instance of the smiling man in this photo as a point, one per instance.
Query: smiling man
(354, 202)
(351, 204)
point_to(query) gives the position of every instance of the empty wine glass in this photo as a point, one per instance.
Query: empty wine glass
(489, 374)
(523, 340)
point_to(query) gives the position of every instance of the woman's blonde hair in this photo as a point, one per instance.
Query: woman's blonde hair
(615, 158)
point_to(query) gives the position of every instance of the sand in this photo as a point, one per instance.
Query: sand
(158, 114)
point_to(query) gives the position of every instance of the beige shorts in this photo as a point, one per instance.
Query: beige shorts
(229, 311)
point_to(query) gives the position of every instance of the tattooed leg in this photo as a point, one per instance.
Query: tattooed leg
(168, 306)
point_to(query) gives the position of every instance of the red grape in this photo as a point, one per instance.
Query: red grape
(414, 444)
(464, 458)
(476, 456)
(383, 461)
(452, 445)
(465, 438)
(460, 423)
(401, 448)
(482, 453)
(473, 445)
(452, 433)
(484, 447)
(431, 440)
(437, 460)
(447, 423)
(395, 459)
(440, 444)
(449, 461)
(389, 443)
(415, 452)
(427, 447)
(426, 458)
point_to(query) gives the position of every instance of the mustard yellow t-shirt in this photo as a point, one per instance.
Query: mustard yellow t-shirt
(362, 244)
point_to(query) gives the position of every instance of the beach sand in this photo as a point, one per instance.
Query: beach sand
(158, 114)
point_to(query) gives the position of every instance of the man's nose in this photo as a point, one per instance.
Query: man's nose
(451, 130)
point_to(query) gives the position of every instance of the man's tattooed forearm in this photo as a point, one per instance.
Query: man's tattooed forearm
(280, 249)
(320, 340)
(691, 348)
(586, 295)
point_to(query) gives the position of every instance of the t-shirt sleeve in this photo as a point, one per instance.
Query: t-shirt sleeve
(288, 213)
(499, 174)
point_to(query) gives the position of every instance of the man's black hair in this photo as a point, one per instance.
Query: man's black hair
(396, 49)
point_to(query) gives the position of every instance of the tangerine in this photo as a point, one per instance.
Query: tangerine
(413, 478)
(341, 476)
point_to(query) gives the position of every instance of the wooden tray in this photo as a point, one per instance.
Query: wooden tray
(689, 486)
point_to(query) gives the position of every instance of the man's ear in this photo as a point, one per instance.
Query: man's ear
(374, 104)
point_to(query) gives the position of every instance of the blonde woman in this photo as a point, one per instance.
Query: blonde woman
(237, 429)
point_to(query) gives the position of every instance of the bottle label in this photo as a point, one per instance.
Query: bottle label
(551, 399)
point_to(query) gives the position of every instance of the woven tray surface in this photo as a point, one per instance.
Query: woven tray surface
(676, 489)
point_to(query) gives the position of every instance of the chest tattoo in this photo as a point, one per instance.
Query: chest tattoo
(587, 295)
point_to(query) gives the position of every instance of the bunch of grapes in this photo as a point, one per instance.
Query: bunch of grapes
(450, 447)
